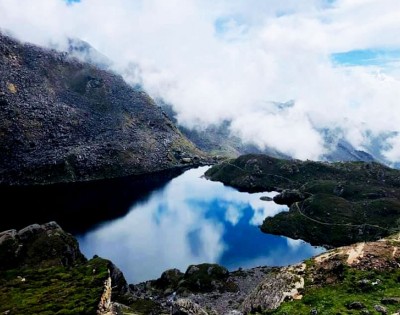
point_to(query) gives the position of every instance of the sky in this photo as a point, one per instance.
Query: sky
(336, 63)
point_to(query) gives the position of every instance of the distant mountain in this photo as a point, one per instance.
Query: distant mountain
(63, 120)
(344, 151)
(86, 53)
(217, 139)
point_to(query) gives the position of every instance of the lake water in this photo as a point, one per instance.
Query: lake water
(191, 220)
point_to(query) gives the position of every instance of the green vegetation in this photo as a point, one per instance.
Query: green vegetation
(357, 293)
(336, 203)
(53, 290)
(145, 306)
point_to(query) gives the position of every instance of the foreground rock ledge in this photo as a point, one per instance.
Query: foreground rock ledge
(341, 276)
(43, 271)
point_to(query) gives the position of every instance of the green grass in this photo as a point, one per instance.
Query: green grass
(357, 286)
(53, 290)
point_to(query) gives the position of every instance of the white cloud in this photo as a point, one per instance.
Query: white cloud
(231, 59)
(233, 214)
(393, 152)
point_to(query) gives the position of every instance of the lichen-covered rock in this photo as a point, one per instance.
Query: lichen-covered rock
(169, 280)
(204, 278)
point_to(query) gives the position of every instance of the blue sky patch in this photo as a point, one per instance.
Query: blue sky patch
(72, 1)
(366, 57)
(228, 25)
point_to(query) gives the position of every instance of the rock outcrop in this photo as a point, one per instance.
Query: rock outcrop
(42, 271)
(64, 120)
(38, 245)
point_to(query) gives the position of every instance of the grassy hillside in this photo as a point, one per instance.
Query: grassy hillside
(331, 204)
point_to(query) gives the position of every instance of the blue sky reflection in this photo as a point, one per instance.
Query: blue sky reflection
(190, 221)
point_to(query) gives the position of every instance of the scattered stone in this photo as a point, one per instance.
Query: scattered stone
(380, 309)
(187, 307)
(266, 198)
(390, 300)
(356, 305)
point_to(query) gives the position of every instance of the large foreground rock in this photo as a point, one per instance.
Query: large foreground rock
(38, 245)
(42, 271)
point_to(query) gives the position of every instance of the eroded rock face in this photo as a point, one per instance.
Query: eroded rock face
(274, 289)
(63, 120)
(38, 245)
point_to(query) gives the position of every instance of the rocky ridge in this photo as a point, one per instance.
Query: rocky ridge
(64, 120)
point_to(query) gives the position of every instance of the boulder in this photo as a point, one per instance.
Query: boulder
(38, 245)
(380, 309)
(288, 197)
(187, 307)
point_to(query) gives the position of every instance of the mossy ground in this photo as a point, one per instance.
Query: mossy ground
(54, 290)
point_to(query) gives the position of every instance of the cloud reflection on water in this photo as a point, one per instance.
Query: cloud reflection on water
(189, 221)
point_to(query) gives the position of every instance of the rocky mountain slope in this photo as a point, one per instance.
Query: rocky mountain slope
(331, 204)
(63, 120)
(43, 272)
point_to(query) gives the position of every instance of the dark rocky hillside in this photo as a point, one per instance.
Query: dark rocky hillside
(63, 120)
(331, 204)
